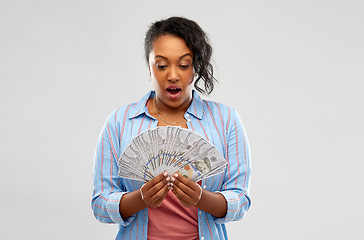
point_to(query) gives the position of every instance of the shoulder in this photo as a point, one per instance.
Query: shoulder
(222, 116)
(127, 111)
(121, 113)
(216, 109)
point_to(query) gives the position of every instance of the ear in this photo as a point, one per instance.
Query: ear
(149, 70)
(150, 74)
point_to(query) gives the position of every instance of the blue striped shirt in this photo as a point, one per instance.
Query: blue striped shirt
(219, 124)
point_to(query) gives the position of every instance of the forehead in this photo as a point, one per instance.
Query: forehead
(169, 46)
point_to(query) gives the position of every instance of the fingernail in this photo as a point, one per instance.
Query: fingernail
(168, 178)
(176, 175)
(165, 174)
(171, 184)
(173, 179)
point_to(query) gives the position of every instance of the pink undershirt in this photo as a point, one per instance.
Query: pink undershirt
(171, 220)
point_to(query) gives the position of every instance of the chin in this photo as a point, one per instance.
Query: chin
(174, 104)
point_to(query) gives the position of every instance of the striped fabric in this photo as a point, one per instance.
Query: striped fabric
(216, 122)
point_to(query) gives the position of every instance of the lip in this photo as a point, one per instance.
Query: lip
(173, 96)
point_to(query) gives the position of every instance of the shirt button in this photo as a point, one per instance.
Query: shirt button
(202, 238)
(204, 187)
(189, 120)
(187, 115)
(200, 212)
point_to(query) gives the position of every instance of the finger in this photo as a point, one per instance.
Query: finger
(151, 197)
(192, 196)
(188, 186)
(159, 182)
(180, 194)
(180, 197)
(155, 180)
(185, 189)
(157, 199)
(158, 202)
(155, 189)
(186, 181)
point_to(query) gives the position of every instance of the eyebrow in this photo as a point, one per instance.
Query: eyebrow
(187, 54)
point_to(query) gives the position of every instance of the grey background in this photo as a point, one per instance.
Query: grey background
(293, 70)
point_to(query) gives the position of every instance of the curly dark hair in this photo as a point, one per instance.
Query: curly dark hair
(195, 39)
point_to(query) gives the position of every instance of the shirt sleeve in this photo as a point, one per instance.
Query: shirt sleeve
(235, 187)
(107, 188)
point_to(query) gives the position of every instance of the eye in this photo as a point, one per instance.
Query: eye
(161, 66)
(184, 66)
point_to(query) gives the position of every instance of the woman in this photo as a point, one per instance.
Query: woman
(171, 206)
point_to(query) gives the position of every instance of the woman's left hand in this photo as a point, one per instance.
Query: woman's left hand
(188, 192)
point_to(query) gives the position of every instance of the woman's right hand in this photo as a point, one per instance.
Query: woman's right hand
(154, 191)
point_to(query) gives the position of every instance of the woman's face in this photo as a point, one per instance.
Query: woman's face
(172, 73)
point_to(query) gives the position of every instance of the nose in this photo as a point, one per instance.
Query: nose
(173, 74)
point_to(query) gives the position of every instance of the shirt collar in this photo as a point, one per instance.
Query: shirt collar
(195, 109)
(141, 106)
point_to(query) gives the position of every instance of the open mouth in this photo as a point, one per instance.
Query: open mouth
(173, 90)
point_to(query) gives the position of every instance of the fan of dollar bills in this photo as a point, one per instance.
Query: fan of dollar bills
(171, 149)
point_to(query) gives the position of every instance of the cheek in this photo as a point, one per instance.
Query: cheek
(153, 71)
(157, 76)
(190, 77)
(156, 84)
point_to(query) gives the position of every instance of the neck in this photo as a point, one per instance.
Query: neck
(163, 108)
